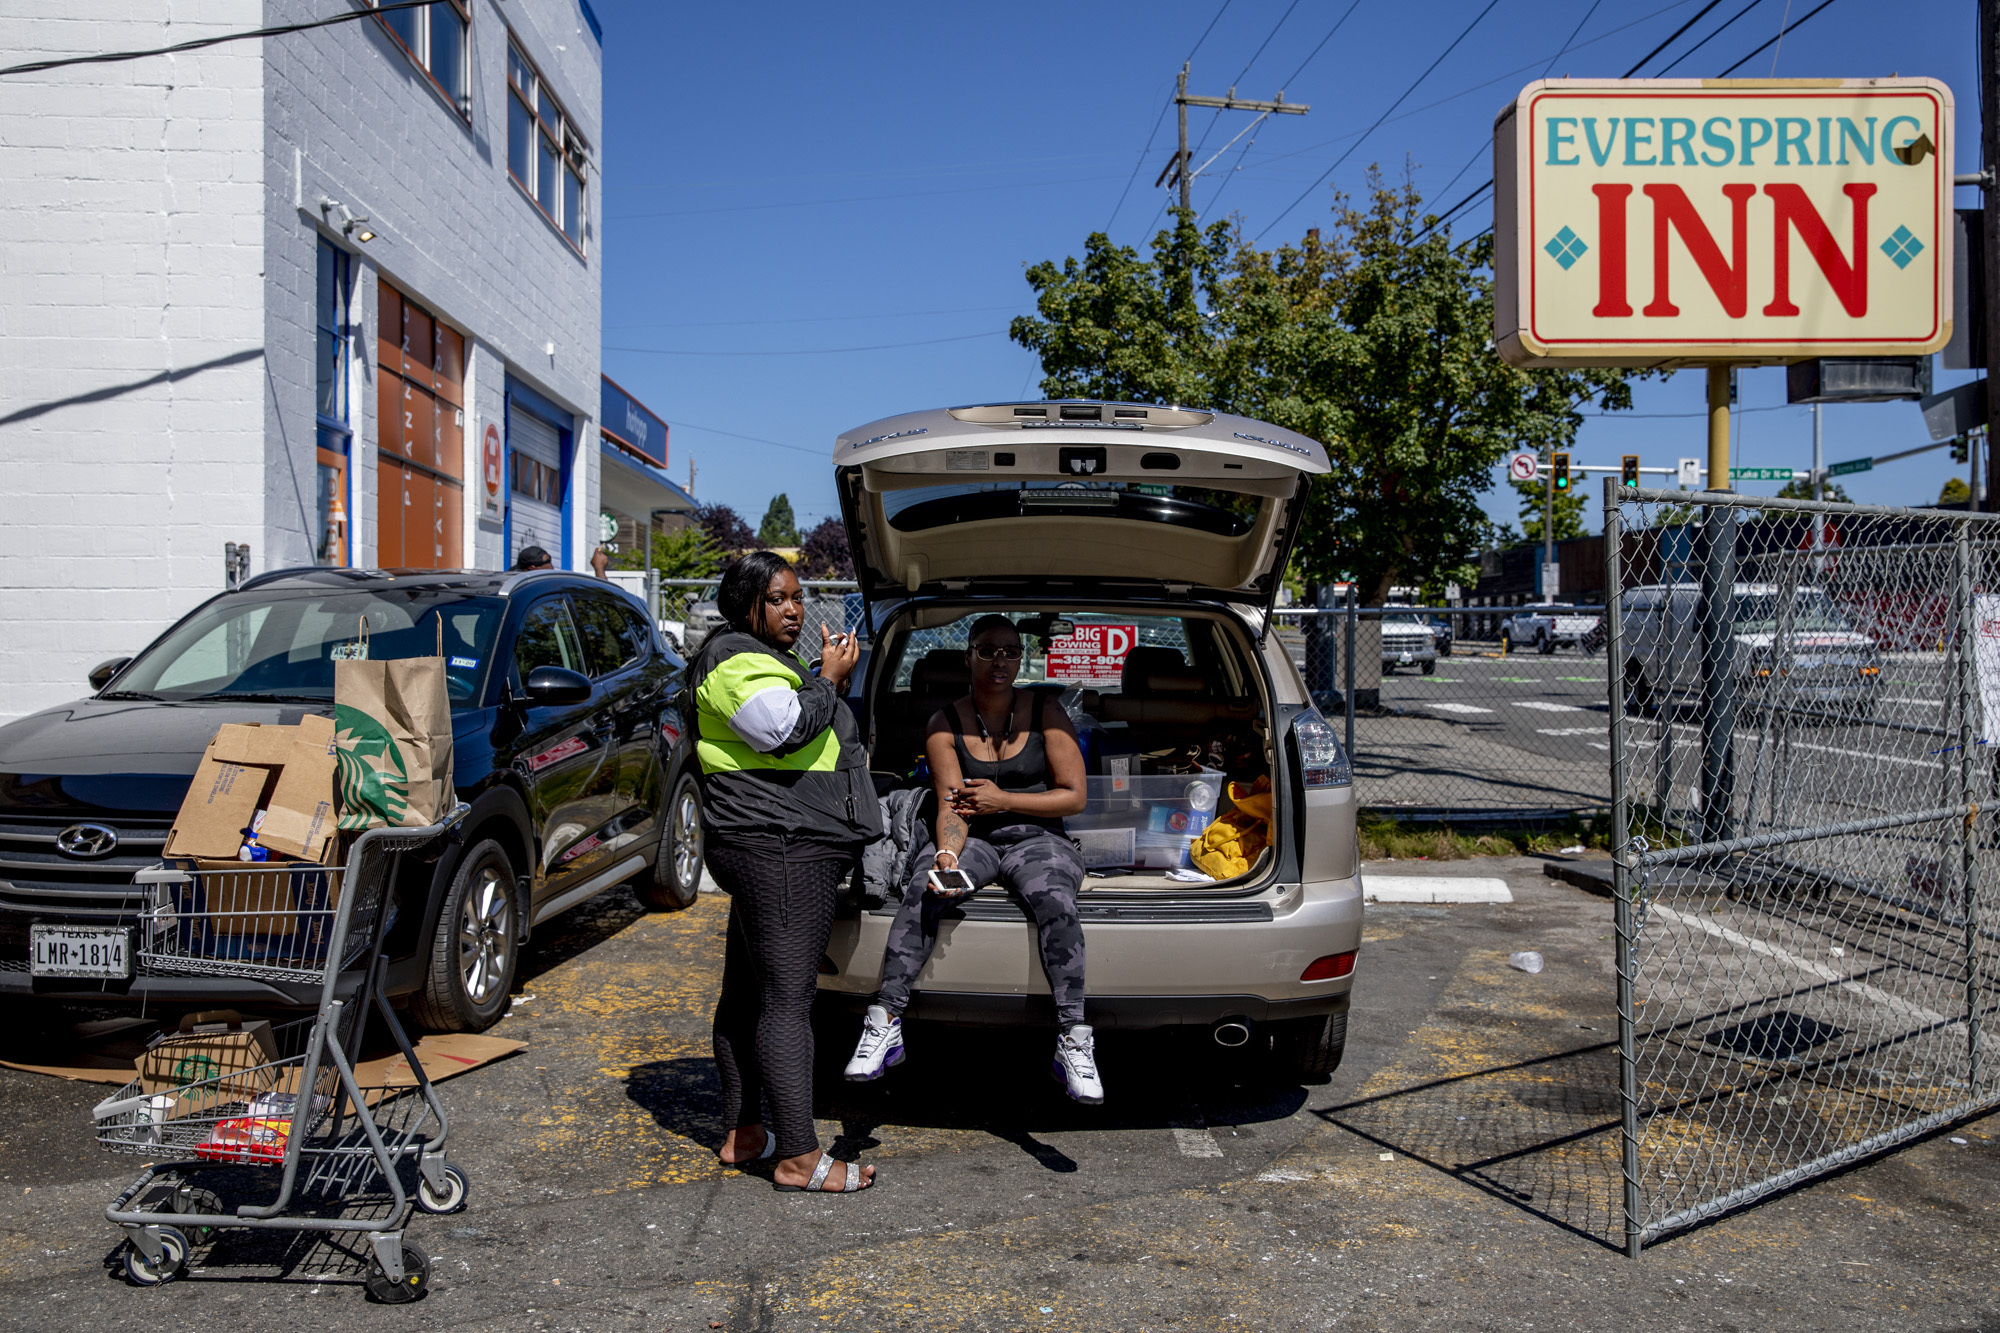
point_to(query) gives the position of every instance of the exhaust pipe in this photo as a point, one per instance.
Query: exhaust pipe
(1231, 1032)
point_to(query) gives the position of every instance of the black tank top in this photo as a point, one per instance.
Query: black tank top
(1027, 771)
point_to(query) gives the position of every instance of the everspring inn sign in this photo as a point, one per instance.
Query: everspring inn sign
(1662, 221)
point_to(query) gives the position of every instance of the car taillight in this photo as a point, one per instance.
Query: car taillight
(1320, 755)
(1327, 968)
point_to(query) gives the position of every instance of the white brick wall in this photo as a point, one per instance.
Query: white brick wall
(157, 296)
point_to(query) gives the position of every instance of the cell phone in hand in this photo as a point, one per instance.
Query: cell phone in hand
(953, 883)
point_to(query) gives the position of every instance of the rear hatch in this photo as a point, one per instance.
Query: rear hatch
(1121, 500)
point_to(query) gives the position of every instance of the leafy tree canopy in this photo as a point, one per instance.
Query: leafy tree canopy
(1373, 339)
(1955, 491)
(725, 528)
(685, 554)
(779, 527)
(823, 554)
(1569, 510)
(1802, 490)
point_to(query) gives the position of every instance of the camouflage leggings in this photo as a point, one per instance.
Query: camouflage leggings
(1041, 868)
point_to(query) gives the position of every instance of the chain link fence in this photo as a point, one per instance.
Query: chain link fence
(1463, 713)
(1805, 874)
(685, 608)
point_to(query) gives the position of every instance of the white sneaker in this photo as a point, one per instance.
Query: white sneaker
(880, 1048)
(1076, 1065)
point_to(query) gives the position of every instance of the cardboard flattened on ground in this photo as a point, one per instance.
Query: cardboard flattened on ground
(442, 1055)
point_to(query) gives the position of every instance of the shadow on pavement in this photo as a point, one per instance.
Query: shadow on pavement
(1541, 1134)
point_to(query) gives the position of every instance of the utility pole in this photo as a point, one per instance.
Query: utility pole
(1989, 155)
(1180, 169)
(1548, 526)
(690, 474)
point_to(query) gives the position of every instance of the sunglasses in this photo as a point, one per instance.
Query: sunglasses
(994, 652)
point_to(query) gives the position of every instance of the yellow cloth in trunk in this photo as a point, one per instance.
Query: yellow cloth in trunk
(1231, 845)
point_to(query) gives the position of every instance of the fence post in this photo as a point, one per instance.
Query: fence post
(1348, 657)
(1718, 665)
(1621, 875)
(1965, 643)
(1320, 646)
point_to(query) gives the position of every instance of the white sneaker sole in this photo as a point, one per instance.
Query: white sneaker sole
(1061, 1076)
(895, 1058)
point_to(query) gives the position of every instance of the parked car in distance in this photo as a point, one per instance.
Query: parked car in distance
(567, 746)
(1792, 652)
(1443, 634)
(1147, 544)
(1546, 626)
(1407, 641)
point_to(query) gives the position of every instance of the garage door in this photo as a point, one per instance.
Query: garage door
(535, 490)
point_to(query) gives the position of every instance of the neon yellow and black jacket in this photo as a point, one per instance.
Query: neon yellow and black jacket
(779, 750)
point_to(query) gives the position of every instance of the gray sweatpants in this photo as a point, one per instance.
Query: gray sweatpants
(1041, 868)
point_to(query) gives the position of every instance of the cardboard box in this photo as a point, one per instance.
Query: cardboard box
(213, 1059)
(287, 772)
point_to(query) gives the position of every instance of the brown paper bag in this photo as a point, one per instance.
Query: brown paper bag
(392, 724)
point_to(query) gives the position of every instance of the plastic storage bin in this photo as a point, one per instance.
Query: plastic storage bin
(1144, 820)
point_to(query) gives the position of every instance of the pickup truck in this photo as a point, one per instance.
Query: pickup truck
(1544, 627)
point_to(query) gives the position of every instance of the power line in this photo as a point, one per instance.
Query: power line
(1322, 42)
(1206, 31)
(1718, 31)
(754, 439)
(809, 351)
(1467, 32)
(1671, 39)
(820, 319)
(1266, 42)
(853, 199)
(199, 43)
(1144, 153)
(1773, 42)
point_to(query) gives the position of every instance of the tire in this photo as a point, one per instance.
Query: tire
(1308, 1049)
(143, 1272)
(416, 1277)
(675, 879)
(456, 1187)
(1639, 696)
(190, 1199)
(475, 948)
(1430, 668)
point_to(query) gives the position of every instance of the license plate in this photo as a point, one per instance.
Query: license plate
(1404, 660)
(80, 951)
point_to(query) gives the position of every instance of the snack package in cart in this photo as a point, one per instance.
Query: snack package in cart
(246, 1139)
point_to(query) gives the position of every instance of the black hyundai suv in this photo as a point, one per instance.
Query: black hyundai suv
(568, 747)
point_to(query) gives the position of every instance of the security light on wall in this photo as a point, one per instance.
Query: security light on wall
(351, 224)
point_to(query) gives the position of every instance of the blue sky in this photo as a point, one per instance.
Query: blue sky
(817, 216)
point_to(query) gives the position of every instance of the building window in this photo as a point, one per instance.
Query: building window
(545, 155)
(537, 480)
(420, 455)
(436, 37)
(331, 328)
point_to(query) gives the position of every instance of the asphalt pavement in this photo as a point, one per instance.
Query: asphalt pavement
(1431, 1183)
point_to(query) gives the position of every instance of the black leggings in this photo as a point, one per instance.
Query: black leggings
(780, 914)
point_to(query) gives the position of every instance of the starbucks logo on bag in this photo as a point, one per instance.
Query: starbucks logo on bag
(374, 780)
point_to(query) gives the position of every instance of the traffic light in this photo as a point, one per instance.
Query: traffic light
(1561, 471)
(1628, 470)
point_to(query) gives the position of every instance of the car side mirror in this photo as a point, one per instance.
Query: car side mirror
(554, 686)
(101, 674)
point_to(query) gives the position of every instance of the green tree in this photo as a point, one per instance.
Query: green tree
(1569, 510)
(1375, 341)
(779, 527)
(1955, 492)
(686, 554)
(1802, 490)
(823, 552)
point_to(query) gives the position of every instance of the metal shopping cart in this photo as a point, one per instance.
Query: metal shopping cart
(286, 1099)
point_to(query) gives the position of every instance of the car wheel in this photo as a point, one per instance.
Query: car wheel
(475, 947)
(1430, 667)
(1308, 1049)
(1544, 644)
(1639, 697)
(675, 880)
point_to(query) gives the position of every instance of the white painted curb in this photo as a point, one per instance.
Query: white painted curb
(1434, 889)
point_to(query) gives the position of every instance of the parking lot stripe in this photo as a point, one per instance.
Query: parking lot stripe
(1458, 708)
(1195, 1141)
(1547, 707)
(1569, 731)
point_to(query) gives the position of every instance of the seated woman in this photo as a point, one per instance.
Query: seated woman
(1006, 768)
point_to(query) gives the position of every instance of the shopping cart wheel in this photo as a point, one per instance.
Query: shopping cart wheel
(416, 1276)
(143, 1272)
(450, 1200)
(189, 1199)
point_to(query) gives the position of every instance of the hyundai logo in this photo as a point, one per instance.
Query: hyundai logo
(87, 840)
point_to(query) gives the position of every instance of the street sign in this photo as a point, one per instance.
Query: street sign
(1851, 466)
(1761, 474)
(1522, 467)
(493, 466)
(1690, 473)
(1649, 221)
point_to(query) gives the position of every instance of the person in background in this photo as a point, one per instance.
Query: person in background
(600, 560)
(1001, 795)
(533, 557)
(787, 803)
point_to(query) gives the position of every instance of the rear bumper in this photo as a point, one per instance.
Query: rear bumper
(1139, 974)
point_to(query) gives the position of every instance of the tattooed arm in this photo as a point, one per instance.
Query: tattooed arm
(945, 781)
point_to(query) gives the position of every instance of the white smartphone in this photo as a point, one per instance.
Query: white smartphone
(952, 883)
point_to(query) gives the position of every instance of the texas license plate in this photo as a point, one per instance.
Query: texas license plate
(80, 951)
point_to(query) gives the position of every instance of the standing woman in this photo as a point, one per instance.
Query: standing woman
(788, 803)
